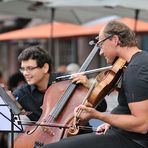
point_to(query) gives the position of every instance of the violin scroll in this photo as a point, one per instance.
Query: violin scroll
(74, 129)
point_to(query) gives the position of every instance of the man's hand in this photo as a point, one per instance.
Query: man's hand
(84, 112)
(80, 79)
(102, 129)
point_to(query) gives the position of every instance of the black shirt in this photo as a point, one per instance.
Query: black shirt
(134, 89)
(31, 99)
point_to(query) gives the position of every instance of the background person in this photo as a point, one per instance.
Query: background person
(15, 80)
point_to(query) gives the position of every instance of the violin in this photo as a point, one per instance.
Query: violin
(99, 90)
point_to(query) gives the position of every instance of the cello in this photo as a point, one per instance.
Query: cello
(54, 110)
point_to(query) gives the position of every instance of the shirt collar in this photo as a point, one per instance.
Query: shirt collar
(33, 87)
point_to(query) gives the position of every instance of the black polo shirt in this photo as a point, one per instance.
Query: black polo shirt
(31, 99)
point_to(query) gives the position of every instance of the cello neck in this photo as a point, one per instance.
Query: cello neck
(64, 99)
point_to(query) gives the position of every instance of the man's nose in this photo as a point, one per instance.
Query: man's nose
(25, 73)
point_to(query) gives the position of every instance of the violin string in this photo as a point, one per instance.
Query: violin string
(86, 98)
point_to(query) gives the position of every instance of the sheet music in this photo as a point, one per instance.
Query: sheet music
(5, 124)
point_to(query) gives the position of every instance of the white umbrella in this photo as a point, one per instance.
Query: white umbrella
(137, 9)
(74, 11)
(42, 10)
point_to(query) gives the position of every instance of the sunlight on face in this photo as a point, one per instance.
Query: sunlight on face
(32, 73)
(107, 47)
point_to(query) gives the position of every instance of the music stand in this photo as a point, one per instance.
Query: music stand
(8, 109)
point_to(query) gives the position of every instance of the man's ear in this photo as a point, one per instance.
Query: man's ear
(116, 40)
(46, 67)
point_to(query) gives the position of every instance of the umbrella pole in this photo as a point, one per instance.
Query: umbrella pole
(136, 19)
(51, 47)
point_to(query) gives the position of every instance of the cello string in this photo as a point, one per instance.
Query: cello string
(62, 101)
(56, 110)
(72, 86)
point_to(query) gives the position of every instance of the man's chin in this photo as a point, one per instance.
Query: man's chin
(108, 61)
(30, 83)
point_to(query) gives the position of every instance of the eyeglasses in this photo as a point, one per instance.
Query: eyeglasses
(28, 69)
(100, 43)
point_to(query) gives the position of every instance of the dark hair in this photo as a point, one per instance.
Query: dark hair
(125, 34)
(14, 80)
(36, 53)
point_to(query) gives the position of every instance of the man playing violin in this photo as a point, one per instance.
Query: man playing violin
(127, 125)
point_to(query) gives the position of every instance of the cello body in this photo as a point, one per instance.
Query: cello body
(52, 114)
